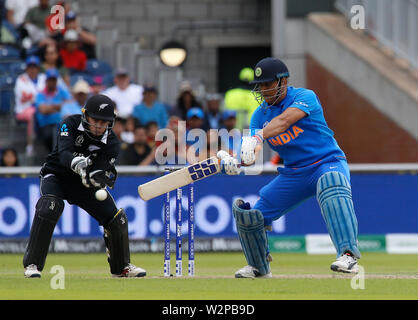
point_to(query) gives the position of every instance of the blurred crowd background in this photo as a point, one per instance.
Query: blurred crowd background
(47, 74)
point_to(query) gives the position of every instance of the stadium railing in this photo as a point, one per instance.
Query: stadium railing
(392, 23)
(266, 169)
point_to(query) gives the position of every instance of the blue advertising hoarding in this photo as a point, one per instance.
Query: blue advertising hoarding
(384, 203)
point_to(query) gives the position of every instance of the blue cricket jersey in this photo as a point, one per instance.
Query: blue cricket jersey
(305, 142)
(59, 96)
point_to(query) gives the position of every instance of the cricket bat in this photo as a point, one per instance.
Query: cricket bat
(179, 178)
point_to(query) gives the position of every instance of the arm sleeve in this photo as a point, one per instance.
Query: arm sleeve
(39, 99)
(307, 102)
(255, 123)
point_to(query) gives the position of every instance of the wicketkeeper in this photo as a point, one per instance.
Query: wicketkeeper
(292, 122)
(82, 162)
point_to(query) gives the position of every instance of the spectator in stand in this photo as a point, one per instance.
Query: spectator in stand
(231, 140)
(195, 120)
(48, 105)
(73, 58)
(81, 91)
(97, 86)
(118, 128)
(17, 9)
(9, 158)
(186, 100)
(38, 15)
(138, 153)
(172, 152)
(150, 109)
(214, 144)
(128, 134)
(86, 38)
(213, 115)
(27, 86)
(126, 95)
(52, 60)
(152, 129)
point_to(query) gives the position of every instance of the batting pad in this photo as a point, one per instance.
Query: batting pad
(334, 198)
(252, 235)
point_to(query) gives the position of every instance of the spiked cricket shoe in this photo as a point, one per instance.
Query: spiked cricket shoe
(346, 263)
(31, 271)
(131, 271)
(251, 272)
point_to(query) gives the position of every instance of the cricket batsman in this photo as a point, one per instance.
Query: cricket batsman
(82, 162)
(292, 122)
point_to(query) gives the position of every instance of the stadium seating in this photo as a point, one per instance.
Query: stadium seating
(6, 93)
(15, 68)
(108, 79)
(9, 53)
(80, 76)
(97, 67)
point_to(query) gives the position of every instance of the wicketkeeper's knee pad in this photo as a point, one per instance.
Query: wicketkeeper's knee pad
(48, 210)
(252, 235)
(117, 242)
(335, 201)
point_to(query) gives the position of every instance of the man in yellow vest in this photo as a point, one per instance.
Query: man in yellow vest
(241, 99)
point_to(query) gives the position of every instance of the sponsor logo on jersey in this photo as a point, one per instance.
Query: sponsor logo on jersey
(286, 137)
(301, 104)
(64, 131)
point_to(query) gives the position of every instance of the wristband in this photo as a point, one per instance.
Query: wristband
(259, 137)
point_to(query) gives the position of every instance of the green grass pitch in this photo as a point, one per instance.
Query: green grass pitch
(295, 276)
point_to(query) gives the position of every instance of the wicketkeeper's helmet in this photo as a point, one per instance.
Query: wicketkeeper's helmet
(99, 107)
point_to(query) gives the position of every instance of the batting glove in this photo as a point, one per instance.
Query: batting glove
(248, 145)
(229, 165)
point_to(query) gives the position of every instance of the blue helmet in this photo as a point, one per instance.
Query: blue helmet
(269, 69)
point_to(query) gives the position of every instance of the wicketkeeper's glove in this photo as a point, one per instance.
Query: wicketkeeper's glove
(102, 178)
(80, 166)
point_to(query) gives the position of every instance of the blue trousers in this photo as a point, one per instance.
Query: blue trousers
(293, 186)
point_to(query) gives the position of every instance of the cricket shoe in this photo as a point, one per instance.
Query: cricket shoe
(345, 263)
(131, 271)
(251, 272)
(31, 271)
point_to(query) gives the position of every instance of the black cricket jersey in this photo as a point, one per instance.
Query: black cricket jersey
(74, 141)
